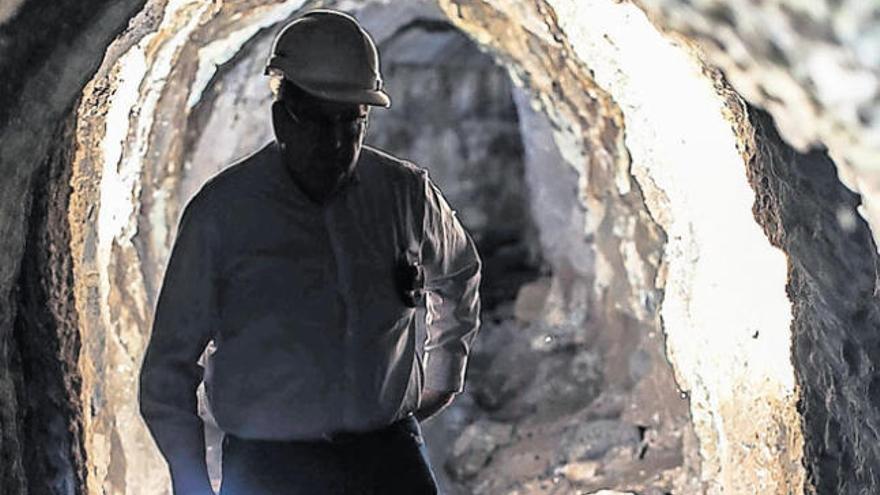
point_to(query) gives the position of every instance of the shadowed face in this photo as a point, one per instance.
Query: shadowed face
(322, 136)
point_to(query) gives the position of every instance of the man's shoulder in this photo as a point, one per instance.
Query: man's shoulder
(244, 169)
(224, 186)
(389, 165)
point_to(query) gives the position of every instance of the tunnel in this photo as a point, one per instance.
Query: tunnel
(675, 205)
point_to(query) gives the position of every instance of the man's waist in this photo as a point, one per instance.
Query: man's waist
(338, 437)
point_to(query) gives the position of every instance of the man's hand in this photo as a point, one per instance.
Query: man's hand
(433, 401)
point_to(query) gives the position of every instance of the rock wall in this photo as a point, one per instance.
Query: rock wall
(832, 281)
(685, 159)
(44, 78)
(815, 66)
(46, 339)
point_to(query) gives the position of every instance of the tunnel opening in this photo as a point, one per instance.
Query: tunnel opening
(547, 366)
(460, 117)
(453, 113)
(675, 397)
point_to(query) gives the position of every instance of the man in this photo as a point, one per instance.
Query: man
(305, 264)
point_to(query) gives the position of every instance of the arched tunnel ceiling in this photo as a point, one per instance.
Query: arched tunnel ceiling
(559, 24)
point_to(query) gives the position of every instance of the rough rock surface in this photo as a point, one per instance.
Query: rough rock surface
(833, 266)
(46, 339)
(541, 372)
(44, 76)
(706, 270)
(815, 66)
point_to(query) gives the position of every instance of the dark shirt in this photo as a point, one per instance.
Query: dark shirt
(305, 305)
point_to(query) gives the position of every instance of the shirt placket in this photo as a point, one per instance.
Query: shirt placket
(343, 284)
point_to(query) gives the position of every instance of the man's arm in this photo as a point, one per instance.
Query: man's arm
(185, 318)
(452, 280)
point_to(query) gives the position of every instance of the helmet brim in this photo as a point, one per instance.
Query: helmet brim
(344, 94)
(374, 97)
(335, 92)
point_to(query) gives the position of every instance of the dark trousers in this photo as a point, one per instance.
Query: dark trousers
(384, 462)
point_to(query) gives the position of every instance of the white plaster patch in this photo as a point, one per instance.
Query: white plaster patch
(117, 183)
(135, 102)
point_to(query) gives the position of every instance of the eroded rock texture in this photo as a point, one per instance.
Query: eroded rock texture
(46, 337)
(833, 285)
(43, 76)
(552, 354)
(815, 66)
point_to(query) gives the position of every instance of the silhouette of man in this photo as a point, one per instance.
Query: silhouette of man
(305, 263)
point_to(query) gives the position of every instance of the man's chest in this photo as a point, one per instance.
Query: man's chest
(347, 253)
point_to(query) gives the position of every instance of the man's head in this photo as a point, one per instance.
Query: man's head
(318, 132)
(325, 71)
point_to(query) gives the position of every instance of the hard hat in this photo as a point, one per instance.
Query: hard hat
(329, 55)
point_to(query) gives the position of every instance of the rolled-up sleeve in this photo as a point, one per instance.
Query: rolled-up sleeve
(452, 282)
(184, 322)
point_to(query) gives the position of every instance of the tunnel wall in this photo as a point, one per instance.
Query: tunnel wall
(814, 66)
(70, 59)
(46, 339)
(683, 149)
(832, 281)
(44, 76)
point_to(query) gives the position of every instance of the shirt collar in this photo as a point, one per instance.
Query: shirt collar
(354, 178)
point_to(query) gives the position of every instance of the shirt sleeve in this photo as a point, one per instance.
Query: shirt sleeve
(185, 318)
(452, 280)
